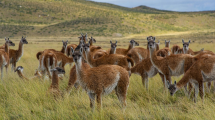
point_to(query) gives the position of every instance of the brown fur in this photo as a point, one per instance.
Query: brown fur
(138, 53)
(19, 70)
(4, 56)
(102, 80)
(63, 59)
(63, 50)
(47, 60)
(15, 55)
(73, 78)
(112, 59)
(123, 51)
(169, 64)
(54, 87)
(197, 74)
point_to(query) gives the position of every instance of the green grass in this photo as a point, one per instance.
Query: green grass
(71, 17)
(29, 100)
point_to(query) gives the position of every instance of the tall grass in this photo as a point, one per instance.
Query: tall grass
(29, 99)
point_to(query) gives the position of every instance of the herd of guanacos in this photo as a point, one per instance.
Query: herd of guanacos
(100, 71)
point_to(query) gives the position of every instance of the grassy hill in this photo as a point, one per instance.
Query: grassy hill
(71, 17)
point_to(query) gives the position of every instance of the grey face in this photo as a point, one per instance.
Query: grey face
(113, 45)
(185, 44)
(65, 43)
(19, 68)
(134, 43)
(86, 46)
(151, 44)
(24, 41)
(9, 42)
(76, 54)
(92, 40)
(172, 88)
(58, 70)
(150, 38)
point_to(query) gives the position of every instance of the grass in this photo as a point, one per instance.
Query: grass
(71, 17)
(29, 100)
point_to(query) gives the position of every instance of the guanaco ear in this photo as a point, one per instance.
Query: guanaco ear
(116, 42)
(154, 38)
(110, 42)
(165, 41)
(5, 38)
(62, 40)
(183, 41)
(202, 49)
(81, 50)
(67, 41)
(158, 42)
(175, 83)
(169, 41)
(72, 50)
(189, 41)
(168, 84)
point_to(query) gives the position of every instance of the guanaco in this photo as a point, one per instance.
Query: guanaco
(201, 71)
(139, 53)
(112, 59)
(113, 47)
(47, 61)
(101, 80)
(15, 55)
(54, 87)
(19, 71)
(82, 37)
(122, 51)
(172, 65)
(4, 56)
(63, 50)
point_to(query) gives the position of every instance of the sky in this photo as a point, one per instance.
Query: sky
(173, 5)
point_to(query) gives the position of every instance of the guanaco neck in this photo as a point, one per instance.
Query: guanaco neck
(20, 49)
(184, 80)
(55, 80)
(91, 43)
(19, 72)
(63, 50)
(6, 48)
(130, 47)
(90, 59)
(80, 70)
(112, 51)
(153, 56)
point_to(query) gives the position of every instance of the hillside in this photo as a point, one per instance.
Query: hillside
(71, 17)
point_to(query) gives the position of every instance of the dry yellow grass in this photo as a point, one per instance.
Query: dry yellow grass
(28, 100)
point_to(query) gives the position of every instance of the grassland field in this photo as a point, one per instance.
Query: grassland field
(29, 100)
(47, 22)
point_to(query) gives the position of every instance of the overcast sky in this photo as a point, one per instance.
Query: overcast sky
(174, 5)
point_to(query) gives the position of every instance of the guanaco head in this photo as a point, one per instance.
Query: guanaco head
(172, 88)
(81, 43)
(134, 43)
(65, 43)
(113, 45)
(152, 44)
(167, 43)
(86, 47)
(150, 38)
(92, 40)
(185, 46)
(58, 70)
(77, 55)
(19, 68)
(9, 42)
(23, 40)
(84, 37)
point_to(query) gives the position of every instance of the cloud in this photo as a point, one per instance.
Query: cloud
(174, 5)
